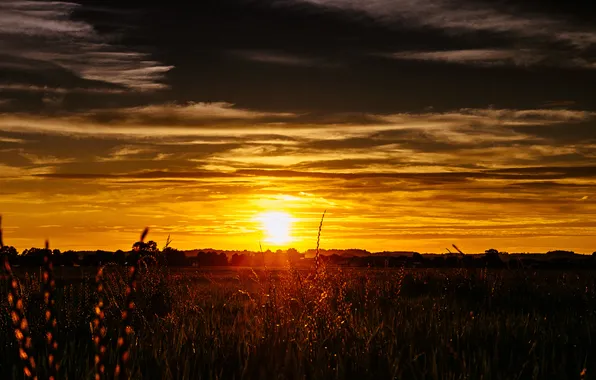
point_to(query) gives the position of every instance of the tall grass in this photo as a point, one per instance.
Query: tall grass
(48, 290)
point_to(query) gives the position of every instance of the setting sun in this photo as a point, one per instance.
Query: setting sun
(276, 226)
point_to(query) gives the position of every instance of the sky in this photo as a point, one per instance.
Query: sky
(415, 124)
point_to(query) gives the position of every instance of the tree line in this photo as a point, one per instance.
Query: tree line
(354, 258)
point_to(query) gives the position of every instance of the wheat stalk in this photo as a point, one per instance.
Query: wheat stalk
(17, 315)
(48, 288)
(129, 306)
(99, 328)
(457, 249)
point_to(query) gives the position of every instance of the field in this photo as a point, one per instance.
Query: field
(288, 324)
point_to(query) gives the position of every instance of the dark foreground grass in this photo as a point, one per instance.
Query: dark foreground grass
(284, 324)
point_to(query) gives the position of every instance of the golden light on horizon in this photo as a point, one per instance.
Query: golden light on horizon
(276, 227)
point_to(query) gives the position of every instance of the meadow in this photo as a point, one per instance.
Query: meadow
(284, 323)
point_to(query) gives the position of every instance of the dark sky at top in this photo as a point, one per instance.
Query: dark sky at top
(378, 56)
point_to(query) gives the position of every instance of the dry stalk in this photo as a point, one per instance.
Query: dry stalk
(17, 315)
(317, 255)
(49, 288)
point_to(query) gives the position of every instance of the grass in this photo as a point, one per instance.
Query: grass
(365, 324)
(291, 324)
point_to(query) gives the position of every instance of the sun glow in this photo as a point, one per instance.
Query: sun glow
(276, 227)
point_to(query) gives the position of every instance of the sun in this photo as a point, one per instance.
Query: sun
(276, 226)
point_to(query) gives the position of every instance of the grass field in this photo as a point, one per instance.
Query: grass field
(285, 324)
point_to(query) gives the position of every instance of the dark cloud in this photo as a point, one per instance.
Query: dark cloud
(331, 56)
(46, 51)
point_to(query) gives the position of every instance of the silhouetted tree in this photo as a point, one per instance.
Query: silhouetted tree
(9, 250)
(152, 246)
(293, 255)
(120, 257)
(492, 259)
(240, 260)
(335, 258)
(143, 248)
(33, 256)
(222, 259)
(56, 257)
(175, 257)
(70, 258)
(211, 259)
(560, 252)
(104, 257)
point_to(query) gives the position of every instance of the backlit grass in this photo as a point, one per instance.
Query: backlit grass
(361, 323)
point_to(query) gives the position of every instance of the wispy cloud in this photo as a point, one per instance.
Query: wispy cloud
(528, 32)
(474, 56)
(11, 140)
(57, 90)
(281, 58)
(193, 112)
(496, 57)
(460, 16)
(542, 116)
(41, 37)
(226, 120)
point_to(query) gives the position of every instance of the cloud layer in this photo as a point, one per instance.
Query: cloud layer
(423, 178)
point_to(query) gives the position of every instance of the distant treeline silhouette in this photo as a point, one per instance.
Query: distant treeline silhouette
(491, 258)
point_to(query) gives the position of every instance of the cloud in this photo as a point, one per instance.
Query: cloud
(57, 90)
(484, 57)
(281, 58)
(542, 116)
(535, 38)
(484, 149)
(154, 175)
(478, 116)
(40, 39)
(194, 113)
(46, 160)
(461, 17)
(194, 119)
(11, 140)
(224, 136)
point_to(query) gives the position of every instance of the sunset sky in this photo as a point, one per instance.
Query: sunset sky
(415, 124)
